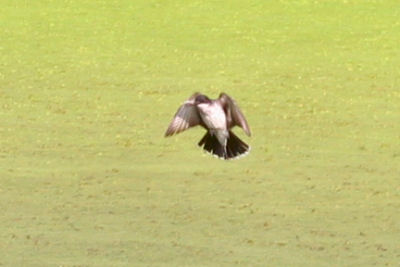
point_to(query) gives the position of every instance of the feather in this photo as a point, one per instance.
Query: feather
(187, 116)
(234, 115)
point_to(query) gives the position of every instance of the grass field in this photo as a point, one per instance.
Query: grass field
(88, 87)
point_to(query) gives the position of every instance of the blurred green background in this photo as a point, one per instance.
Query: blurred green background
(88, 87)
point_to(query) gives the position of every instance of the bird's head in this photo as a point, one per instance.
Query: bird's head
(200, 99)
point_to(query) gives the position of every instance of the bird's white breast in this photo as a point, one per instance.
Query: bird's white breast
(213, 115)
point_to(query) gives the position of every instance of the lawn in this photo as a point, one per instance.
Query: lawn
(87, 89)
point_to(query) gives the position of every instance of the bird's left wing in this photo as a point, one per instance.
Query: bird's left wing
(187, 116)
(233, 114)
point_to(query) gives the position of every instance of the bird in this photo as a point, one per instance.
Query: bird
(218, 117)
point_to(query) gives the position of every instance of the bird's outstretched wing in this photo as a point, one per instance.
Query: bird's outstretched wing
(187, 116)
(233, 114)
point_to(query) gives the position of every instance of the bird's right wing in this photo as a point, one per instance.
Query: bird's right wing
(234, 115)
(187, 116)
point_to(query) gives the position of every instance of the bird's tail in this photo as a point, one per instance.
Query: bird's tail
(234, 146)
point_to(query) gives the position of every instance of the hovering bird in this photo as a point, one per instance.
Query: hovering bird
(217, 116)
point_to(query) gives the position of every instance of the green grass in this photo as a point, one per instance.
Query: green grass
(87, 89)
